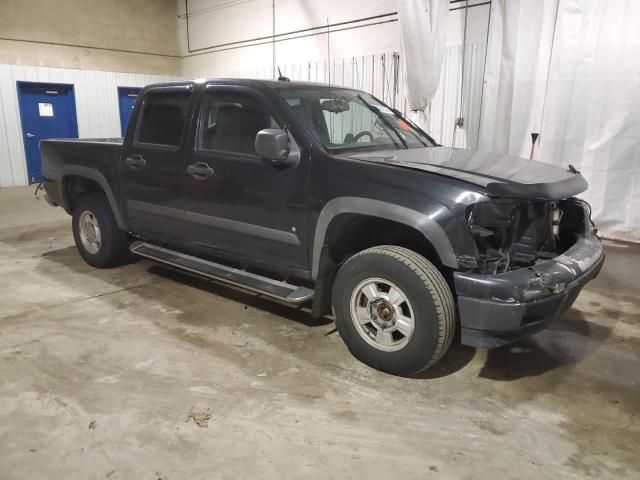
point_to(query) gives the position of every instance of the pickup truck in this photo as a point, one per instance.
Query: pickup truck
(315, 193)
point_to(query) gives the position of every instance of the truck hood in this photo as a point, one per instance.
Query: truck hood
(498, 174)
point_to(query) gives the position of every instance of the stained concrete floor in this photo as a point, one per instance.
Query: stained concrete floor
(144, 373)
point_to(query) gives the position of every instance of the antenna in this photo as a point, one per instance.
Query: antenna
(282, 78)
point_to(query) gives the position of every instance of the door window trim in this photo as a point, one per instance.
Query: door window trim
(212, 89)
(187, 119)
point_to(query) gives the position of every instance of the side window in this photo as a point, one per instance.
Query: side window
(163, 118)
(230, 121)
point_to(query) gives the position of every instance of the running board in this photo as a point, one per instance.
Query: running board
(256, 283)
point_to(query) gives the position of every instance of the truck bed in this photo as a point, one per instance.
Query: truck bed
(94, 158)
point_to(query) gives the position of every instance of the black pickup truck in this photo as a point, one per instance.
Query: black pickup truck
(307, 192)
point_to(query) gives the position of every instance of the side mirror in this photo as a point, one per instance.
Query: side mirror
(273, 144)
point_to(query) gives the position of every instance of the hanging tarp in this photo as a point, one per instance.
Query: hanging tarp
(423, 25)
(570, 70)
(517, 66)
(592, 107)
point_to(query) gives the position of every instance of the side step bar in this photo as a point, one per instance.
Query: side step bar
(256, 283)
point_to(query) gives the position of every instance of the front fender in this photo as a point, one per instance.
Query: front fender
(424, 223)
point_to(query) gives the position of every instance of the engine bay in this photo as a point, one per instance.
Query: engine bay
(511, 234)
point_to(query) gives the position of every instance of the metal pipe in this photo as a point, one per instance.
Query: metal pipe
(186, 17)
(293, 32)
(291, 38)
(460, 119)
(320, 27)
(105, 49)
(273, 35)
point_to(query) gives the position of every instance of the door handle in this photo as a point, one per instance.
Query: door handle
(30, 135)
(136, 162)
(200, 171)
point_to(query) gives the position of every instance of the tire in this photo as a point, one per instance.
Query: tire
(366, 314)
(112, 247)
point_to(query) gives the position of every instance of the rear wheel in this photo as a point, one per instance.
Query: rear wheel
(393, 309)
(98, 239)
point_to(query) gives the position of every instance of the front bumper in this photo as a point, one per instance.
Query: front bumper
(500, 309)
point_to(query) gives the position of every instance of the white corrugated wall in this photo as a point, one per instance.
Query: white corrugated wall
(96, 106)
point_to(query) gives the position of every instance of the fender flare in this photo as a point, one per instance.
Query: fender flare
(422, 222)
(92, 174)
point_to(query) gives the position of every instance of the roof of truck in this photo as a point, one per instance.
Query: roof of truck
(252, 82)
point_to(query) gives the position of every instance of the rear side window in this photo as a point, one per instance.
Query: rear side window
(163, 118)
(230, 121)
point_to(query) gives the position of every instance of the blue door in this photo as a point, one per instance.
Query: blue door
(47, 110)
(126, 99)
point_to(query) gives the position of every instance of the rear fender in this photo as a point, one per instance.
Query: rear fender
(92, 174)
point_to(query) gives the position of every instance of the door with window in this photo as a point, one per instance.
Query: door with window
(126, 101)
(47, 110)
(236, 201)
(153, 162)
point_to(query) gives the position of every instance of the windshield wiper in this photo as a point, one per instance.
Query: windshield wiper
(386, 122)
(416, 127)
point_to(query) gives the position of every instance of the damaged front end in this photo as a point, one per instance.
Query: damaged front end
(511, 234)
(532, 259)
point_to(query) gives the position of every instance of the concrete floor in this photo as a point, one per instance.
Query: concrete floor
(144, 373)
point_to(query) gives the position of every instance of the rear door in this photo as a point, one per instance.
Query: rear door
(235, 201)
(47, 110)
(153, 161)
(126, 101)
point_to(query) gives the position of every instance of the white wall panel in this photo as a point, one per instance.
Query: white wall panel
(96, 106)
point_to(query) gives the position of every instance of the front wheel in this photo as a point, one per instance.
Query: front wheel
(98, 239)
(393, 309)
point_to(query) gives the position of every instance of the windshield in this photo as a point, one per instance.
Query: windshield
(347, 119)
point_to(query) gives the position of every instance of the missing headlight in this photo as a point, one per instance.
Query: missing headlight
(513, 234)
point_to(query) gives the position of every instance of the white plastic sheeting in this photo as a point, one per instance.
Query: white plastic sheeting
(518, 53)
(592, 107)
(423, 27)
(453, 92)
(570, 70)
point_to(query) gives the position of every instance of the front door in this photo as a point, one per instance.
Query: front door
(235, 201)
(153, 161)
(47, 110)
(126, 101)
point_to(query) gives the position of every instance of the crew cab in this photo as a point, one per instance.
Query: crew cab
(315, 193)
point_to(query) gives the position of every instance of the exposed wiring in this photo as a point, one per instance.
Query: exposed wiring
(595, 229)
